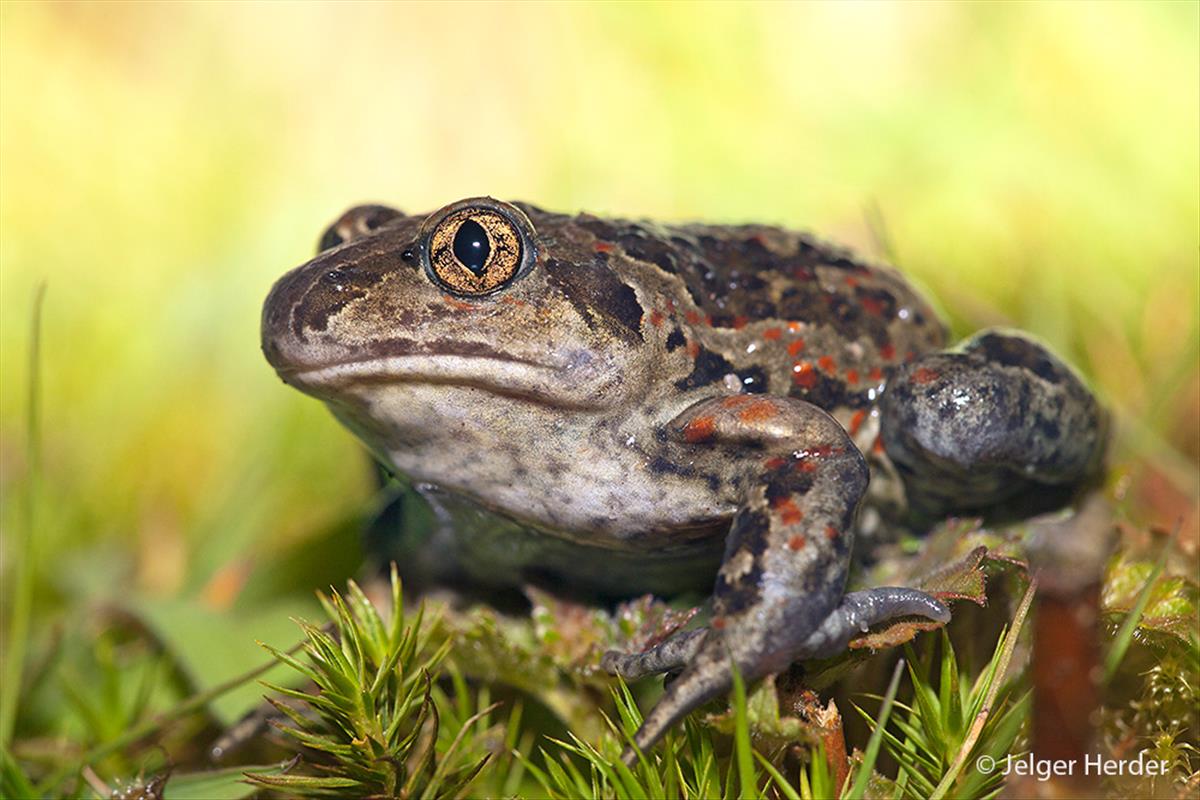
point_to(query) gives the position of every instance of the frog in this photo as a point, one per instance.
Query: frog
(624, 406)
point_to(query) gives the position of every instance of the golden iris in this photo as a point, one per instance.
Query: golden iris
(475, 251)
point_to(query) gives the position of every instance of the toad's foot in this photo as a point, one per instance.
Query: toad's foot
(857, 613)
(784, 569)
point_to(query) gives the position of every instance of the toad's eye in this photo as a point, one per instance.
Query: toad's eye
(477, 246)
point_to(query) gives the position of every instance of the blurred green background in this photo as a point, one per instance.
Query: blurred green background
(160, 165)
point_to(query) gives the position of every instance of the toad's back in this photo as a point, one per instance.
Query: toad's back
(782, 311)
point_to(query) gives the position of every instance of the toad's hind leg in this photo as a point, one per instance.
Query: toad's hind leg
(999, 416)
(786, 555)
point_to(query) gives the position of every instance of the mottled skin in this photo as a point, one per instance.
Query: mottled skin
(646, 406)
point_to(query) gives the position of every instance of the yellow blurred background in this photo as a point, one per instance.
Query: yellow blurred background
(160, 165)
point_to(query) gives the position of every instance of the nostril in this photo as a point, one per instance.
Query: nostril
(335, 278)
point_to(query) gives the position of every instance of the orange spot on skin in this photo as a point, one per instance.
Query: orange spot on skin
(603, 247)
(856, 421)
(831, 532)
(804, 465)
(771, 334)
(803, 375)
(797, 542)
(718, 623)
(852, 375)
(924, 375)
(736, 400)
(872, 305)
(876, 374)
(851, 281)
(909, 356)
(888, 351)
(693, 317)
(789, 512)
(758, 411)
(827, 363)
(701, 429)
(693, 349)
(513, 301)
(877, 447)
(795, 348)
(739, 322)
(795, 327)
(455, 303)
(775, 462)
(656, 318)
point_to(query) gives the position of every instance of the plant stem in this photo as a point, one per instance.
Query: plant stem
(24, 564)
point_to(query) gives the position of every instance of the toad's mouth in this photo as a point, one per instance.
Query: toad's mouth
(405, 359)
(415, 367)
(566, 385)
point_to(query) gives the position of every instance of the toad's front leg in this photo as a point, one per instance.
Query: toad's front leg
(784, 571)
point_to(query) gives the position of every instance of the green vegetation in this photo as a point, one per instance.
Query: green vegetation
(373, 697)
(165, 504)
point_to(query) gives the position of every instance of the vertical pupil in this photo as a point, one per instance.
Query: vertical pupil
(471, 246)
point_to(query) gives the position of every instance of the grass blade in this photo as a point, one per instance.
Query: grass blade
(785, 788)
(13, 781)
(1124, 636)
(741, 737)
(863, 778)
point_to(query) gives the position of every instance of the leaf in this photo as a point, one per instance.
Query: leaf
(221, 645)
(966, 579)
(893, 634)
(304, 782)
(1169, 603)
(764, 718)
(572, 634)
(962, 580)
(223, 784)
(646, 621)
